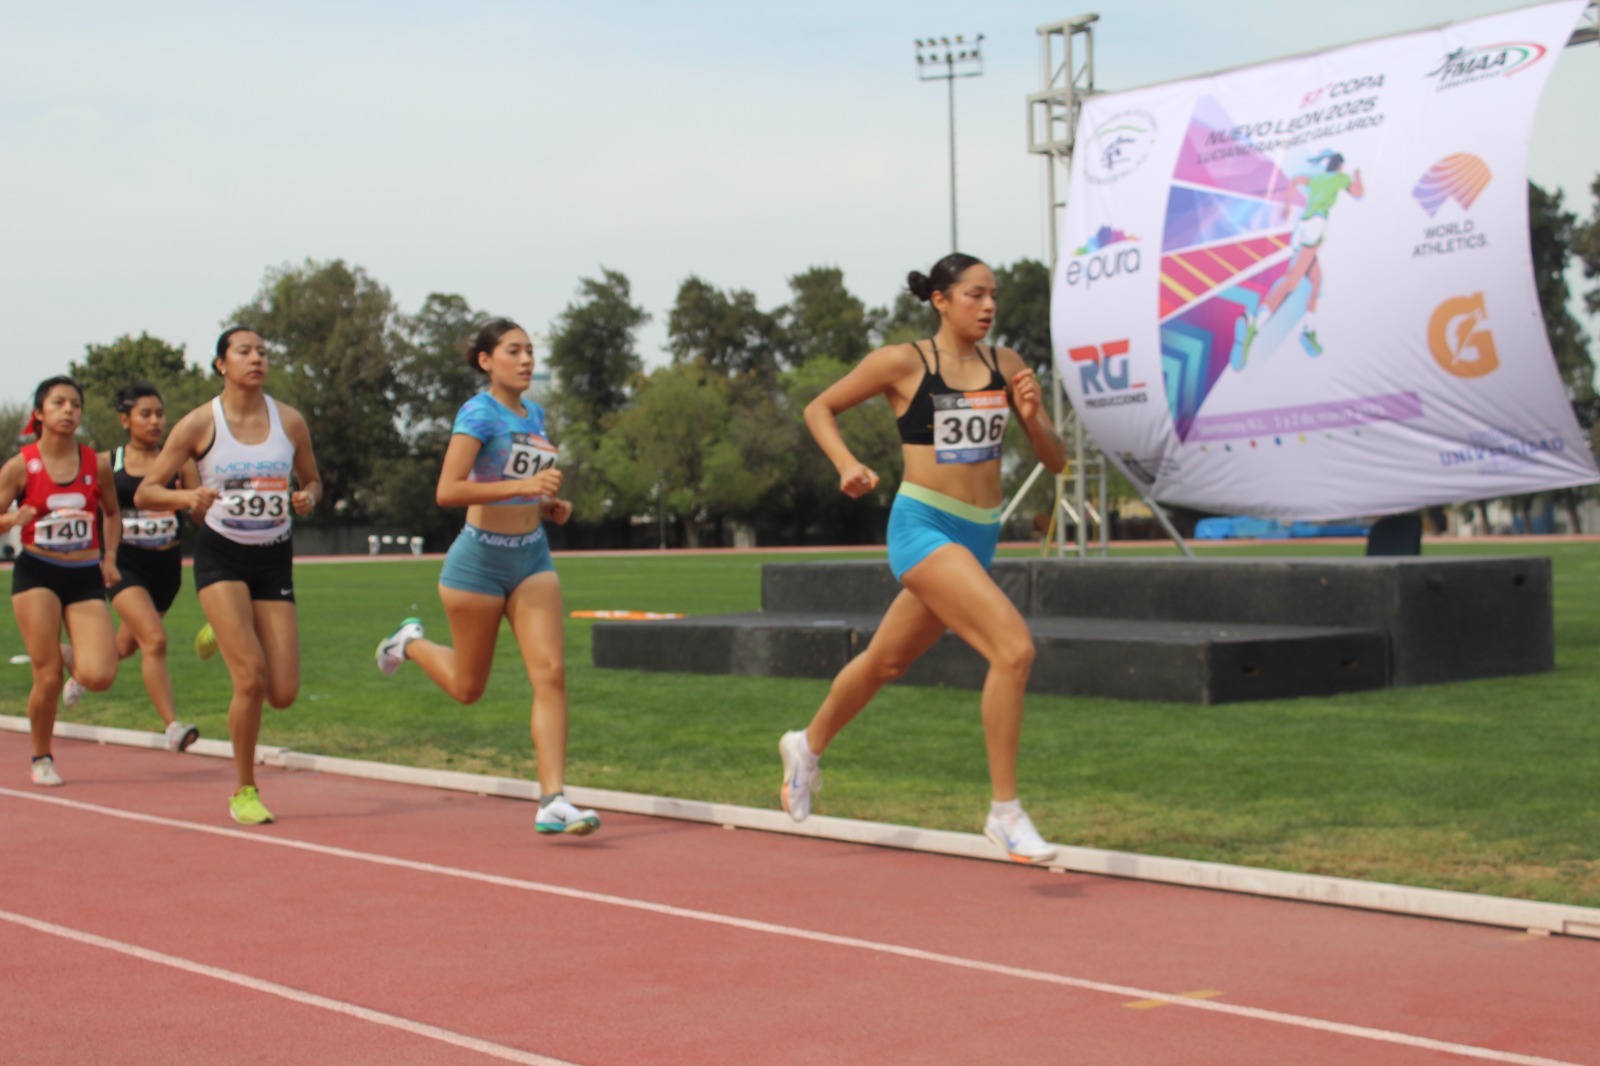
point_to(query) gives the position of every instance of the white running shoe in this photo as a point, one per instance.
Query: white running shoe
(72, 692)
(1016, 834)
(44, 773)
(392, 649)
(180, 735)
(560, 816)
(801, 774)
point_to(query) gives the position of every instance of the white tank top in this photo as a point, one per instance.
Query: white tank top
(252, 481)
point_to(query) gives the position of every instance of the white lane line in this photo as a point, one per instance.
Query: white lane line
(1361, 1032)
(310, 999)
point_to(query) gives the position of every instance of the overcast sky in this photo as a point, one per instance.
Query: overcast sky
(156, 159)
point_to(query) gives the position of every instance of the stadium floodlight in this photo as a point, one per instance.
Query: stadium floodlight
(937, 62)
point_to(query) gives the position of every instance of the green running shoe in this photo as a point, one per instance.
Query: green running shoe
(1308, 341)
(245, 805)
(205, 642)
(1250, 330)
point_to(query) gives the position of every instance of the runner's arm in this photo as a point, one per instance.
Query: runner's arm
(306, 474)
(111, 524)
(876, 375)
(1027, 400)
(183, 444)
(456, 490)
(13, 479)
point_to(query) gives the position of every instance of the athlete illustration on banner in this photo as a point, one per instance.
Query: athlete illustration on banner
(1322, 188)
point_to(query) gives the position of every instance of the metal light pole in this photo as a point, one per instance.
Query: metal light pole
(939, 59)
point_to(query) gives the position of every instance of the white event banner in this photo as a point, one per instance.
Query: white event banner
(1304, 289)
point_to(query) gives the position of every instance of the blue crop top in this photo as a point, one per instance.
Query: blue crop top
(514, 446)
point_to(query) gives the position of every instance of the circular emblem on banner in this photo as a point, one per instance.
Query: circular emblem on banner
(1118, 146)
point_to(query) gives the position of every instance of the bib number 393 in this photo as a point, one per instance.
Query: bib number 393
(968, 427)
(530, 454)
(64, 531)
(254, 502)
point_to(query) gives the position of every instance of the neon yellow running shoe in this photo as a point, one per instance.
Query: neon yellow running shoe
(245, 806)
(205, 642)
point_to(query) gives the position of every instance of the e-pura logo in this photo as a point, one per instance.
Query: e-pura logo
(1459, 337)
(1466, 65)
(1098, 260)
(1103, 373)
(1459, 177)
(1118, 145)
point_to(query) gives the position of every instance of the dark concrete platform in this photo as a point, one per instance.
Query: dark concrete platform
(1186, 630)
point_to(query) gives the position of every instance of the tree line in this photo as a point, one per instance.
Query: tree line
(684, 454)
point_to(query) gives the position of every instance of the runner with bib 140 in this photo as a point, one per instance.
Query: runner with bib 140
(62, 575)
(951, 397)
(249, 450)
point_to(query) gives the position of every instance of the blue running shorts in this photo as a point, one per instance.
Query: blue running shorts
(922, 521)
(494, 563)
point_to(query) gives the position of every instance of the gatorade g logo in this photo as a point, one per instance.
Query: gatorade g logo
(1459, 338)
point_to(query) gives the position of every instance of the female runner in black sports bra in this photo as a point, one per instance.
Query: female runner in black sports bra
(951, 397)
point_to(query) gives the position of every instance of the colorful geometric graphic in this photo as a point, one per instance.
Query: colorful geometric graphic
(1225, 242)
(1104, 237)
(1460, 177)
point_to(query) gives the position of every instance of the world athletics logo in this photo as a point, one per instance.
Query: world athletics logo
(1460, 177)
(1467, 65)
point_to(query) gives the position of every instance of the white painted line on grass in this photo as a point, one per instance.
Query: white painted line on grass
(310, 999)
(1409, 900)
(1298, 1021)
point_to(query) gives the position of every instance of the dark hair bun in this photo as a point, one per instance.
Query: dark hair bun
(919, 285)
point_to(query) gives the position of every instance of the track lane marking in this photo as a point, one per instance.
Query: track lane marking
(1126, 992)
(310, 999)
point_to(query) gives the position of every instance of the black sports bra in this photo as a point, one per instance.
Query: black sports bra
(916, 425)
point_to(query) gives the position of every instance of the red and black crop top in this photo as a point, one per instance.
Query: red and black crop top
(66, 510)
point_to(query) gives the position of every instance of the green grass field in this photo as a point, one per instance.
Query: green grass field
(1487, 786)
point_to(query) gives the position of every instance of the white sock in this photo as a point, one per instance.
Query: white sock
(1262, 314)
(1005, 808)
(805, 747)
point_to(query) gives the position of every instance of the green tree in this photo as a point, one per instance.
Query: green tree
(13, 417)
(594, 359)
(108, 367)
(824, 319)
(334, 329)
(1586, 245)
(594, 349)
(1022, 313)
(906, 320)
(657, 452)
(432, 376)
(726, 333)
(1553, 233)
(820, 510)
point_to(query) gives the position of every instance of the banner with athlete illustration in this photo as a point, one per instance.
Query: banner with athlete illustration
(1304, 289)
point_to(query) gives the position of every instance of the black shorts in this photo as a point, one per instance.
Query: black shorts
(267, 570)
(71, 584)
(159, 573)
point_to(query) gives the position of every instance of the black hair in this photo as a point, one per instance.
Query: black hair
(39, 394)
(222, 345)
(487, 340)
(1335, 161)
(134, 391)
(945, 273)
(49, 383)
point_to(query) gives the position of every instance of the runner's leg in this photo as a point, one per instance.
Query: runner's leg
(461, 668)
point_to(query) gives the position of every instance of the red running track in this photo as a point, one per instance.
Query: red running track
(385, 923)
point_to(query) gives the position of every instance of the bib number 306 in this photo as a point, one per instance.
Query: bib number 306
(968, 427)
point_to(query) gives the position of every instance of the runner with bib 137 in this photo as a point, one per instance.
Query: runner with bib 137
(952, 397)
